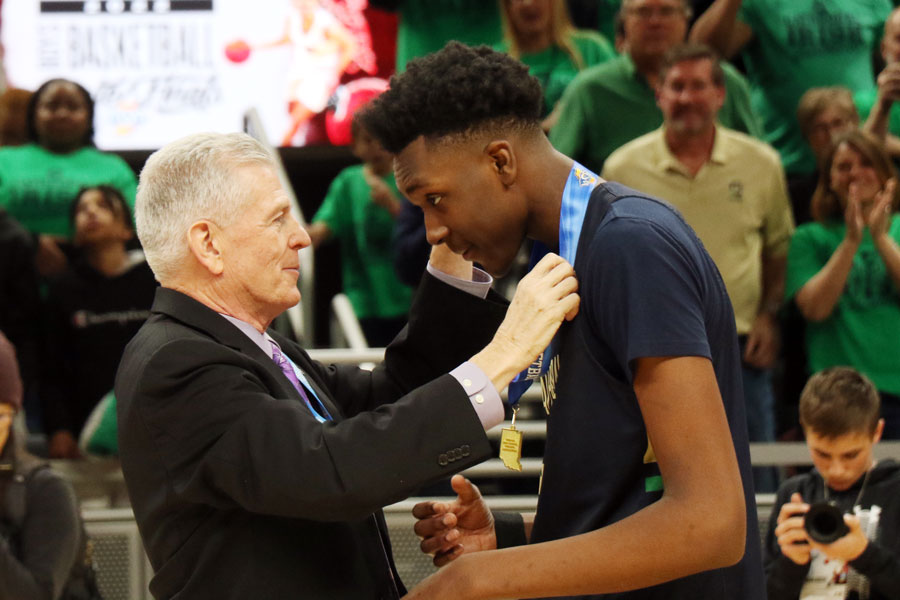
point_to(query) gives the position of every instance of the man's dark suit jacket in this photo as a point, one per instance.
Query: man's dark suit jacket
(239, 492)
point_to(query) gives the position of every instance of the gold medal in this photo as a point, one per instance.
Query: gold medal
(511, 445)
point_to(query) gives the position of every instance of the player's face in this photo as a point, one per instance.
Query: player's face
(466, 204)
(841, 461)
(61, 116)
(689, 98)
(260, 248)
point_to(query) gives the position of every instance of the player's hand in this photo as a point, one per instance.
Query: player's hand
(450, 529)
(848, 547)
(544, 297)
(445, 260)
(762, 342)
(790, 533)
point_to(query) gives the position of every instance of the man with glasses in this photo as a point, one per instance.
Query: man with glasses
(614, 103)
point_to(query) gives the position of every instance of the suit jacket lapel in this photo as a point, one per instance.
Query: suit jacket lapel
(302, 360)
(199, 316)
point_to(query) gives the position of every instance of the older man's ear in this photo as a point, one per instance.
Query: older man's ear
(204, 246)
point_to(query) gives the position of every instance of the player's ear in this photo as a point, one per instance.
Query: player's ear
(503, 160)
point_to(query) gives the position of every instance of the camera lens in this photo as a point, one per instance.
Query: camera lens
(824, 522)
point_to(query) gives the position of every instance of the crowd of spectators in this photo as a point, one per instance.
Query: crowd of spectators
(810, 74)
(802, 131)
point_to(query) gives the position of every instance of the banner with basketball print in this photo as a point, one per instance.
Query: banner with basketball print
(159, 69)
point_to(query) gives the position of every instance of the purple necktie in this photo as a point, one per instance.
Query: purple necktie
(288, 371)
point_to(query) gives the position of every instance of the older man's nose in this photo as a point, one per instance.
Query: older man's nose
(300, 237)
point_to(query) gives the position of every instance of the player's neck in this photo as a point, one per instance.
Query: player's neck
(549, 176)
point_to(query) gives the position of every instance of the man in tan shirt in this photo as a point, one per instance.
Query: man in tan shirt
(731, 189)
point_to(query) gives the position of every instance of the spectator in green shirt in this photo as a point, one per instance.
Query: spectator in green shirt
(39, 180)
(611, 104)
(359, 211)
(790, 47)
(844, 269)
(540, 34)
(878, 107)
(426, 25)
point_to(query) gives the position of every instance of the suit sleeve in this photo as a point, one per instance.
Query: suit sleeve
(249, 445)
(446, 327)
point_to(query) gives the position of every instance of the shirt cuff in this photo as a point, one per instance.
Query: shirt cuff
(479, 285)
(482, 394)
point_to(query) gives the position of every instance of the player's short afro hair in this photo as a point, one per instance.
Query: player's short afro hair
(456, 90)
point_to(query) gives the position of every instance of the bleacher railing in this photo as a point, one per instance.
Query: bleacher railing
(123, 571)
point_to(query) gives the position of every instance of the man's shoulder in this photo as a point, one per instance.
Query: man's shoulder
(734, 79)
(600, 76)
(743, 147)
(639, 150)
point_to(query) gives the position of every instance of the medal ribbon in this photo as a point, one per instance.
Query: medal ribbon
(575, 198)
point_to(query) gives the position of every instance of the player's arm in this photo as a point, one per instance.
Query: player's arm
(720, 27)
(702, 508)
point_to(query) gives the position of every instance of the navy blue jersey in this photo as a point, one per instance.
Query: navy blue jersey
(648, 288)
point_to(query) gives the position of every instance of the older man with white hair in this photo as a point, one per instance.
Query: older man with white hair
(255, 472)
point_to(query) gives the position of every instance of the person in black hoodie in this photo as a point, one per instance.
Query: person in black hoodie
(839, 412)
(93, 309)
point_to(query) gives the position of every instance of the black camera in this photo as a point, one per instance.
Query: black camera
(824, 522)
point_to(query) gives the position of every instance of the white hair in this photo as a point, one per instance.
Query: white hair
(192, 178)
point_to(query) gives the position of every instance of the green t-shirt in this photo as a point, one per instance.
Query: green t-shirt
(866, 99)
(364, 231)
(863, 331)
(427, 25)
(606, 17)
(611, 104)
(802, 44)
(37, 186)
(555, 69)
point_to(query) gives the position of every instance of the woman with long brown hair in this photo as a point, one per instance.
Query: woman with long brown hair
(844, 269)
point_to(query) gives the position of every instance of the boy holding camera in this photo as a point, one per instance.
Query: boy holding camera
(859, 558)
